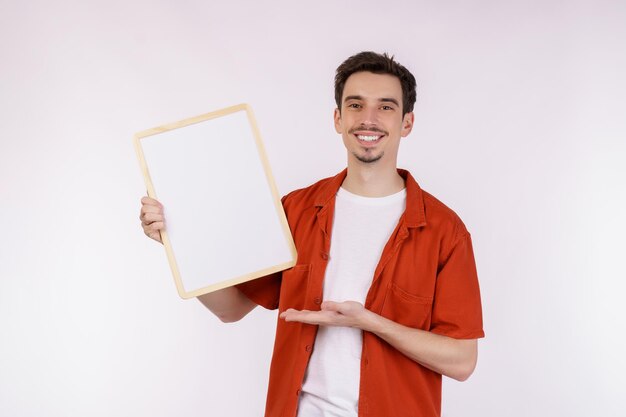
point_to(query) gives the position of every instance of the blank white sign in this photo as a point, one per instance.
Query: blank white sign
(224, 220)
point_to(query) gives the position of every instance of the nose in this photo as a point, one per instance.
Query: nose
(369, 116)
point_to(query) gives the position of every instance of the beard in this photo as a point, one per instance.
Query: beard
(368, 158)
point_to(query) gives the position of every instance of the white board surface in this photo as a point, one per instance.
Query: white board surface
(224, 220)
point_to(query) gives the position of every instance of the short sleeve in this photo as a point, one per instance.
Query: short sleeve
(457, 310)
(264, 291)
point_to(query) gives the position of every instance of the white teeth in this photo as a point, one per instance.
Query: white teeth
(368, 138)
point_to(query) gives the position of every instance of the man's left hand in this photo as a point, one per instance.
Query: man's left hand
(346, 314)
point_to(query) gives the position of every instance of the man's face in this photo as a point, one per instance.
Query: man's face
(370, 120)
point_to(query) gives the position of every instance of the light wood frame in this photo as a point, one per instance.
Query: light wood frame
(142, 147)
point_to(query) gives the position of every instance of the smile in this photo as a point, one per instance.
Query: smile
(369, 138)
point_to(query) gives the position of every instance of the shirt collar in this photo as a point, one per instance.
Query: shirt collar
(414, 214)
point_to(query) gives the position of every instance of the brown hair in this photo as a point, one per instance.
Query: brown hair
(378, 64)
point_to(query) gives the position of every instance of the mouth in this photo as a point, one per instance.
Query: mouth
(368, 138)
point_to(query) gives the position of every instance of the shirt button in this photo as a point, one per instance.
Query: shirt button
(308, 348)
(325, 256)
(317, 300)
(298, 392)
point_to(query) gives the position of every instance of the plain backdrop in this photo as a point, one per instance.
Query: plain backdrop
(520, 128)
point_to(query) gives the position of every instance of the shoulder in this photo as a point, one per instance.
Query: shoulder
(440, 216)
(308, 196)
(444, 226)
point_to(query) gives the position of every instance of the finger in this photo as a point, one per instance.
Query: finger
(311, 317)
(150, 201)
(292, 314)
(149, 218)
(156, 236)
(149, 214)
(153, 227)
(153, 234)
(290, 311)
(149, 209)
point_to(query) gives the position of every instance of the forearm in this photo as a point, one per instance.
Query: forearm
(453, 358)
(450, 357)
(228, 304)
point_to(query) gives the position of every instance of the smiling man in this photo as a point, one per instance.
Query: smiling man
(384, 298)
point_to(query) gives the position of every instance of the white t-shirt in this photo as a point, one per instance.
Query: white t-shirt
(361, 228)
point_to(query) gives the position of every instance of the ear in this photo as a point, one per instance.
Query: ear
(337, 117)
(407, 124)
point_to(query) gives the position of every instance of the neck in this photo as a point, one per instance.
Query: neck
(372, 180)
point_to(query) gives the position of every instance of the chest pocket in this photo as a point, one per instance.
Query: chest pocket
(407, 309)
(294, 287)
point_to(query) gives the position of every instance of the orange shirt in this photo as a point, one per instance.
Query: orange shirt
(425, 279)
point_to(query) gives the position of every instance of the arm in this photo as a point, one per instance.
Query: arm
(450, 357)
(228, 304)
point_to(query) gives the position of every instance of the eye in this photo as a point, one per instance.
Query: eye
(387, 108)
(354, 105)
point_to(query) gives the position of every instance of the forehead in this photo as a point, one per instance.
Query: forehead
(373, 86)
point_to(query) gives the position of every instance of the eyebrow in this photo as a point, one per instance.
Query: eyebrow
(383, 100)
(390, 100)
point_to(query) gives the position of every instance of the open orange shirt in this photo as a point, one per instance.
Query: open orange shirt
(425, 279)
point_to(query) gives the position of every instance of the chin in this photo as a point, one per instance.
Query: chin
(368, 159)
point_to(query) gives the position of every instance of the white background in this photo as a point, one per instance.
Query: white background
(520, 128)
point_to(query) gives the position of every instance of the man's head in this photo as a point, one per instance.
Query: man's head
(375, 97)
(377, 64)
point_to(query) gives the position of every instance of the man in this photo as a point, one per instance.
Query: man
(384, 298)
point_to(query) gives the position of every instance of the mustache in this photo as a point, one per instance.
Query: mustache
(369, 129)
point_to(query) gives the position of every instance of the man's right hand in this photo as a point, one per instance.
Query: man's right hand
(152, 218)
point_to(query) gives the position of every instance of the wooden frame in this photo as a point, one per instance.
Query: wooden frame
(224, 220)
